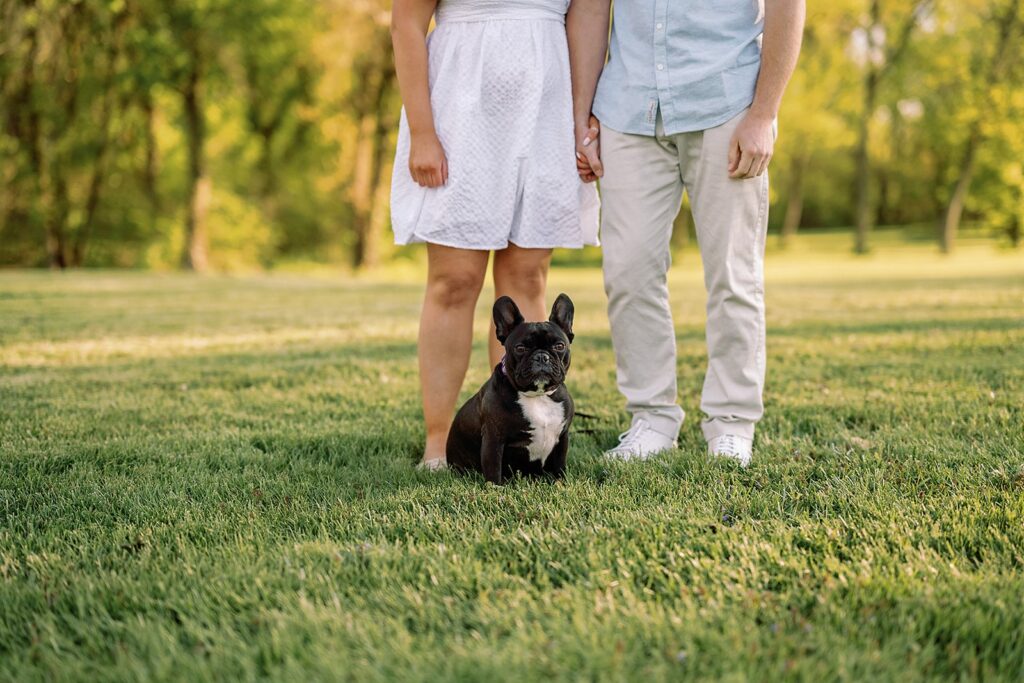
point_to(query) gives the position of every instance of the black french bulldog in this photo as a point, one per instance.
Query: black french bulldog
(519, 420)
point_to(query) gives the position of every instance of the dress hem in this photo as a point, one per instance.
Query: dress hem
(419, 240)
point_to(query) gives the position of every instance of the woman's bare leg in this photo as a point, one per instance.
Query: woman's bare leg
(523, 275)
(454, 280)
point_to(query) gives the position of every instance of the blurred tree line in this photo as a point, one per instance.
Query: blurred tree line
(225, 134)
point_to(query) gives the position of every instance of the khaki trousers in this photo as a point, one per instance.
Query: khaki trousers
(641, 193)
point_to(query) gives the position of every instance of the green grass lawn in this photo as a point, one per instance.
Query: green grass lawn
(211, 478)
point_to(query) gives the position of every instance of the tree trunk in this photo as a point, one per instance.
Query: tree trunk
(375, 129)
(56, 216)
(1008, 26)
(1013, 231)
(958, 197)
(196, 249)
(364, 249)
(149, 169)
(99, 168)
(21, 125)
(268, 183)
(367, 249)
(92, 203)
(882, 216)
(863, 165)
(794, 199)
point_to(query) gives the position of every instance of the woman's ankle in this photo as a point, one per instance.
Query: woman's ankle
(435, 448)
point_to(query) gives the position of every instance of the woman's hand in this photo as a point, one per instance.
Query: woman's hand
(410, 21)
(427, 162)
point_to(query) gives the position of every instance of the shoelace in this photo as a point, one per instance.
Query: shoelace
(631, 436)
(728, 444)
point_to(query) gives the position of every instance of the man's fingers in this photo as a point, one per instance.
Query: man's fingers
(748, 161)
(763, 165)
(746, 170)
(594, 160)
(757, 167)
(742, 170)
(734, 155)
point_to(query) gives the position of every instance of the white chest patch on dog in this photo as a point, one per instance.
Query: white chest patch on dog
(546, 419)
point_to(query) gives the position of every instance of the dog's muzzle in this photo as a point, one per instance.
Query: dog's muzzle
(544, 368)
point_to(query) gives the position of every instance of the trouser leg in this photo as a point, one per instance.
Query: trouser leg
(731, 218)
(640, 195)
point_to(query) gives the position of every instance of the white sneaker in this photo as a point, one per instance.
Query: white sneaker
(640, 442)
(739, 448)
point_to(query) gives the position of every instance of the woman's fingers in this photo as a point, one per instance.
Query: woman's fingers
(431, 176)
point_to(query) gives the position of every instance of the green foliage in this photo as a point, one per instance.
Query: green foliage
(220, 486)
(298, 110)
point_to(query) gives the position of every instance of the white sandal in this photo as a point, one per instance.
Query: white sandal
(433, 465)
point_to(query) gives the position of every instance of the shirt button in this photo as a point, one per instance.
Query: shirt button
(660, 26)
(661, 67)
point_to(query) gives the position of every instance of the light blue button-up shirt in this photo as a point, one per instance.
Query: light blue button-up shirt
(696, 60)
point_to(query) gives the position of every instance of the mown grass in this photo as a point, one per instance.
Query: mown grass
(211, 478)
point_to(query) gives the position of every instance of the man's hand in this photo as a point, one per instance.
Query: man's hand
(751, 147)
(588, 151)
(427, 162)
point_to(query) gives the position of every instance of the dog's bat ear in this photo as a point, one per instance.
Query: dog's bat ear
(561, 314)
(506, 317)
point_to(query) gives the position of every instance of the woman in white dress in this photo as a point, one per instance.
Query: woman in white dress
(485, 162)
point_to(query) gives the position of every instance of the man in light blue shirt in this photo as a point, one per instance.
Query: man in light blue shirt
(687, 101)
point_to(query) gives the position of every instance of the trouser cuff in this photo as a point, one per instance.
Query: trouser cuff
(664, 421)
(717, 426)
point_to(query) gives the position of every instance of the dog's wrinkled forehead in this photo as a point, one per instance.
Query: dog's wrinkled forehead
(537, 335)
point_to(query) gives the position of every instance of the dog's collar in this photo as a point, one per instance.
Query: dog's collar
(530, 394)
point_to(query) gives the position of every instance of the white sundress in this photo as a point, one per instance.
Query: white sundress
(501, 96)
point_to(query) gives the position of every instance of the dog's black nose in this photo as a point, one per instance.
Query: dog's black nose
(543, 357)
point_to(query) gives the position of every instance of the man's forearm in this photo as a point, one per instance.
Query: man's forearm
(780, 47)
(587, 27)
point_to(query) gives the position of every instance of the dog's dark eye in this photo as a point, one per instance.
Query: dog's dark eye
(520, 348)
(559, 347)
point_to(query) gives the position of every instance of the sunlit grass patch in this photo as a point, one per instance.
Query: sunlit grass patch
(206, 478)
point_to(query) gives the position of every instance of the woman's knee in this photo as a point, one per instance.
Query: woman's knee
(455, 288)
(528, 277)
(531, 283)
